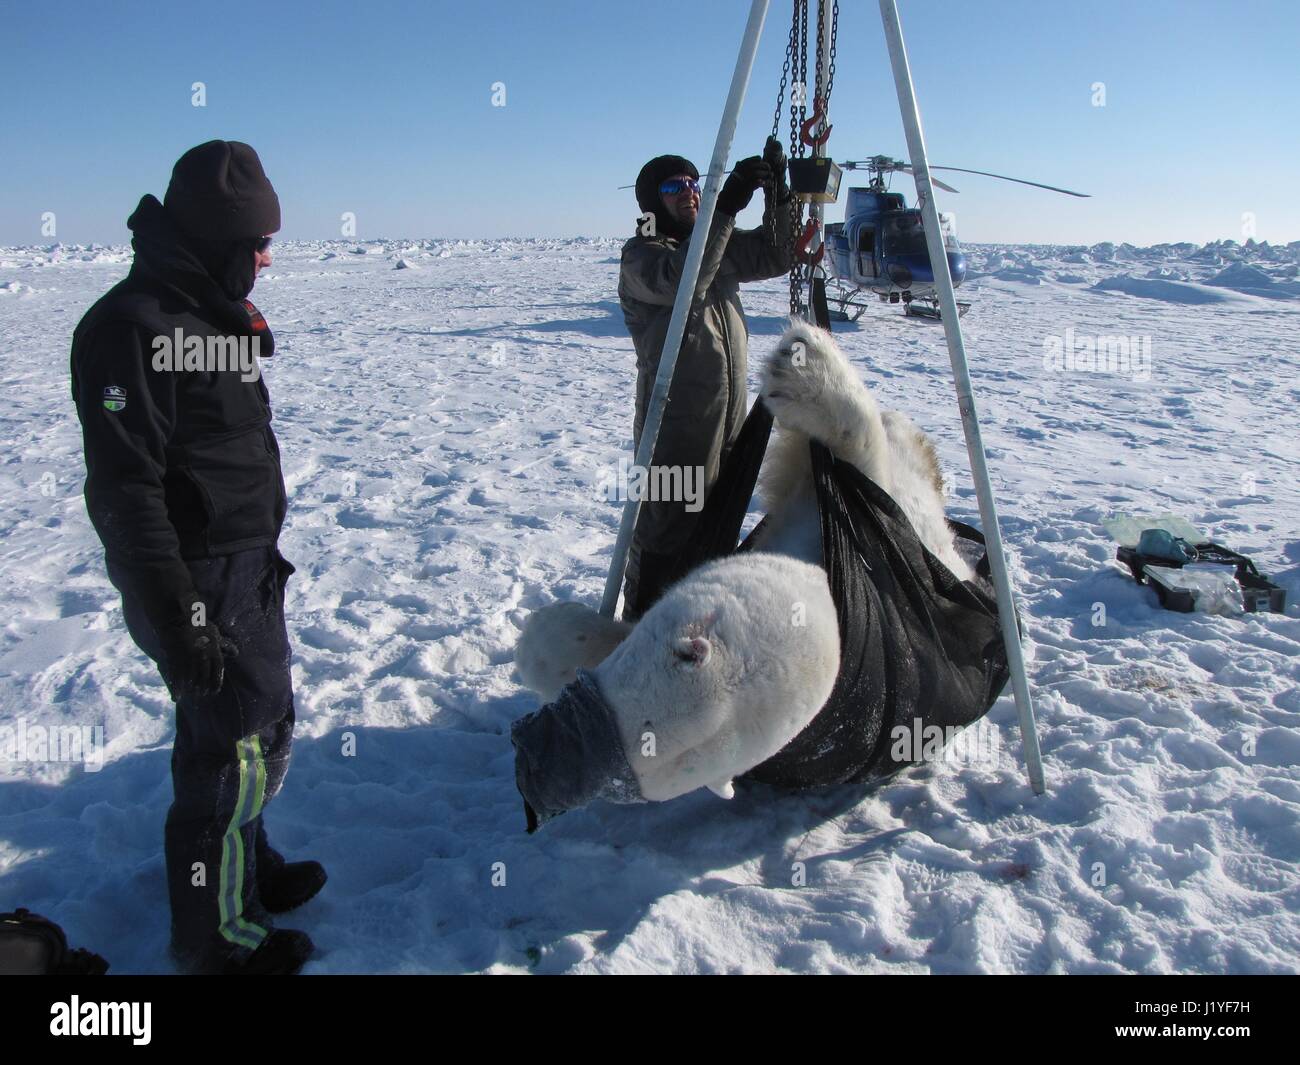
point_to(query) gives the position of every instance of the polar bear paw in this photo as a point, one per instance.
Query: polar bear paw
(809, 386)
(558, 640)
(812, 389)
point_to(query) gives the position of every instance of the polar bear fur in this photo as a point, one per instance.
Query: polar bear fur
(560, 639)
(722, 672)
(813, 391)
(738, 657)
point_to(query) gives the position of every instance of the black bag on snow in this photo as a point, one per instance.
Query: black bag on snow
(32, 945)
(916, 643)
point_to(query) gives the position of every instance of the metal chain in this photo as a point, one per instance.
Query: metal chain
(801, 274)
(785, 74)
(817, 92)
(798, 111)
(830, 72)
(801, 59)
(824, 91)
(776, 122)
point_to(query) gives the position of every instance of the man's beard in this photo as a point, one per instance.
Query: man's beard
(679, 227)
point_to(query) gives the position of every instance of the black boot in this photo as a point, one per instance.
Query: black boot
(281, 885)
(282, 953)
(288, 885)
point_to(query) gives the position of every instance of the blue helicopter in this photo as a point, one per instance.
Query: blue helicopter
(880, 246)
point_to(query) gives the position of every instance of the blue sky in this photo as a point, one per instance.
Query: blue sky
(384, 109)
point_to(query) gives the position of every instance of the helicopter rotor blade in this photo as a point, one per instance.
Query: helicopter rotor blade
(933, 180)
(1020, 181)
(885, 165)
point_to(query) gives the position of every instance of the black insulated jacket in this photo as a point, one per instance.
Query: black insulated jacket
(181, 463)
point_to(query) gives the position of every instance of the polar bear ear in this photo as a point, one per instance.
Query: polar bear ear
(692, 650)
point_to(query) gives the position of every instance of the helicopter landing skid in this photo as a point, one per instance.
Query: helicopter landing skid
(841, 314)
(843, 304)
(929, 309)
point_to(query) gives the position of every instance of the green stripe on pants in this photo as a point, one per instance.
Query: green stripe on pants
(252, 790)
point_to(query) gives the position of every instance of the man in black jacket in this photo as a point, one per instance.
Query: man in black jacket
(184, 488)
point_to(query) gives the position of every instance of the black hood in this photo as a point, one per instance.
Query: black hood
(217, 275)
(647, 192)
(192, 264)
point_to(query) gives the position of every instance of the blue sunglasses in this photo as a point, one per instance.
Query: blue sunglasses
(676, 186)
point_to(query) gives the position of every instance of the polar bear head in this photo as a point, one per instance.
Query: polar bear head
(722, 672)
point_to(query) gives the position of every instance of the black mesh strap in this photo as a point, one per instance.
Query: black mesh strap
(821, 313)
(719, 524)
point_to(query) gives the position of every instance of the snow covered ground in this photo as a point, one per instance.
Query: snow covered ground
(445, 426)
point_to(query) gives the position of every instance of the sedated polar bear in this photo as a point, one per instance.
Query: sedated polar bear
(738, 657)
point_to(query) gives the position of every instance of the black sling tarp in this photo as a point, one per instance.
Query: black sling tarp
(917, 644)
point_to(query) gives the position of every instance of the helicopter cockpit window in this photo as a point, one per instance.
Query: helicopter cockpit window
(948, 225)
(867, 251)
(904, 236)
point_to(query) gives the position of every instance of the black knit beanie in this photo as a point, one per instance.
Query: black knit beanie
(652, 175)
(220, 192)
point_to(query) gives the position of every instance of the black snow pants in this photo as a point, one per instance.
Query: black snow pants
(230, 755)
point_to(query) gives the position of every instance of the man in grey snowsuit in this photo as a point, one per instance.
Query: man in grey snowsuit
(708, 399)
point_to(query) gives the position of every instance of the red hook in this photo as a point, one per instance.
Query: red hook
(806, 130)
(805, 242)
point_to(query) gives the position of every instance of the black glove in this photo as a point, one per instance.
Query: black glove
(194, 657)
(774, 157)
(747, 176)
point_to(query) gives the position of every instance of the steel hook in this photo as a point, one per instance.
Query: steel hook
(806, 130)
